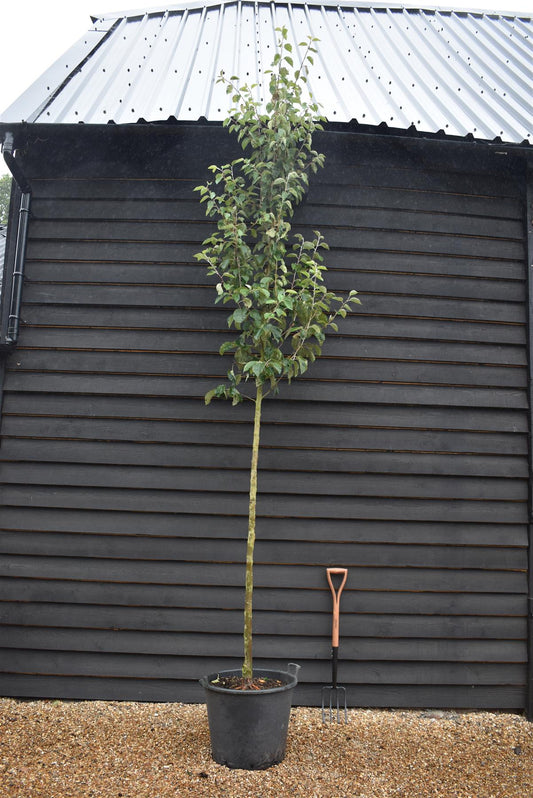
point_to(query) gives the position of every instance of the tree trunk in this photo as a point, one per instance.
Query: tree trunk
(247, 668)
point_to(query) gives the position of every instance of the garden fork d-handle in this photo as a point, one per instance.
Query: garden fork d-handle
(336, 593)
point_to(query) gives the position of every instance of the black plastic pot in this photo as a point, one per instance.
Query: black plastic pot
(249, 728)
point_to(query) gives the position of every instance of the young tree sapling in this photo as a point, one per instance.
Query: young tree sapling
(272, 278)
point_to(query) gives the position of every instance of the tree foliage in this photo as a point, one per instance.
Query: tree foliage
(271, 278)
(5, 193)
(274, 280)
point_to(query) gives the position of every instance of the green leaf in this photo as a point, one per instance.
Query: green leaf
(227, 346)
(239, 316)
(209, 395)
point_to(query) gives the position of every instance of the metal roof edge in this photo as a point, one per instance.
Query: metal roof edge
(363, 4)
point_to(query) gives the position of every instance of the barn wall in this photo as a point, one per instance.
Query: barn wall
(402, 454)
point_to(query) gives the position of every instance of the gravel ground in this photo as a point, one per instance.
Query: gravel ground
(107, 749)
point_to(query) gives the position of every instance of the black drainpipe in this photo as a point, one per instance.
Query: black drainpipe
(22, 233)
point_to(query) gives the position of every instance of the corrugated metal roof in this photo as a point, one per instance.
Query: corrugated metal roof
(458, 73)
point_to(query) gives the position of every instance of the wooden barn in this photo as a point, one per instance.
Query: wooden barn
(403, 454)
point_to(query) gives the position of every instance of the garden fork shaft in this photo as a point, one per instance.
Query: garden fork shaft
(335, 693)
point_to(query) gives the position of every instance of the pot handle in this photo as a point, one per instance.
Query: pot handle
(293, 669)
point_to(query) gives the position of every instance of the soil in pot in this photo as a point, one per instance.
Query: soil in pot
(232, 682)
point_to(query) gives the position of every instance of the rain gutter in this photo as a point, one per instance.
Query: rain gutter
(22, 183)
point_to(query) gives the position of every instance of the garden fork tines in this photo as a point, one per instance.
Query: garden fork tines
(334, 692)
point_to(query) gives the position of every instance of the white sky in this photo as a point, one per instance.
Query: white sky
(34, 33)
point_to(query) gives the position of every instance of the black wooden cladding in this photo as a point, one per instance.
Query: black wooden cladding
(402, 454)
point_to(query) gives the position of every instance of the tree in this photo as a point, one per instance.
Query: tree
(5, 194)
(272, 278)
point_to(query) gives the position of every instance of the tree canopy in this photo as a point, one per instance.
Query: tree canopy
(272, 277)
(5, 193)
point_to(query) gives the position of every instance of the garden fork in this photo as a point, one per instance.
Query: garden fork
(336, 693)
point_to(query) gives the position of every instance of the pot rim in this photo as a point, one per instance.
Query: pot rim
(289, 676)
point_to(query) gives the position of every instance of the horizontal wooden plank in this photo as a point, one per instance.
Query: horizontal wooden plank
(214, 318)
(468, 269)
(188, 665)
(115, 188)
(48, 450)
(324, 204)
(372, 279)
(305, 388)
(323, 193)
(187, 645)
(210, 342)
(110, 178)
(168, 525)
(43, 618)
(273, 435)
(231, 574)
(213, 365)
(486, 273)
(276, 482)
(87, 688)
(365, 279)
(402, 219)
(309, 529)
(274, 599)
(358, 672)
(152, 198)
(216, 549)
(159, 224)
(274, 410)
(107, 207)
(201, 297)
(351, 162)
(208, 503)
(351, 168)
(154, 241)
